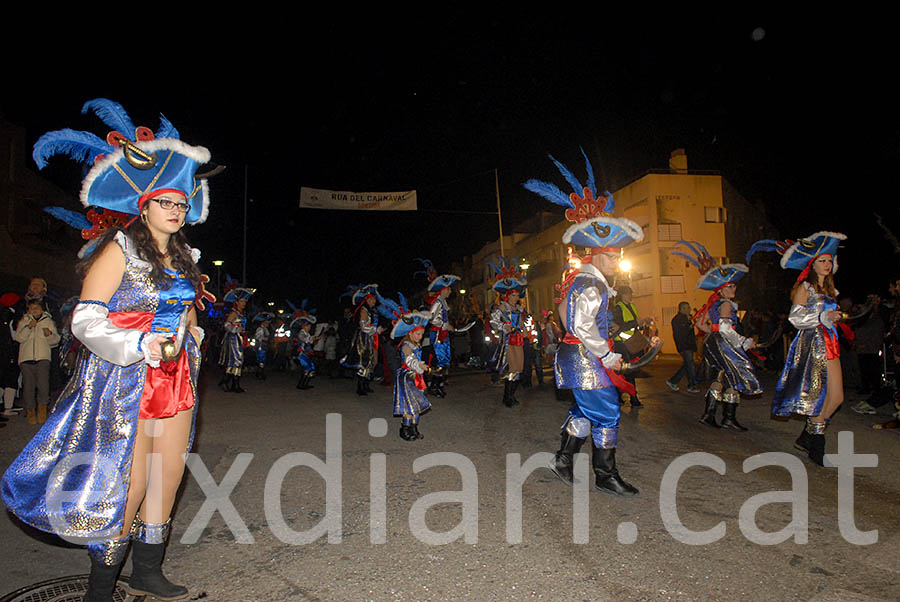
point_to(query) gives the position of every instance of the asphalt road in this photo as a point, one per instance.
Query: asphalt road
(627, 550)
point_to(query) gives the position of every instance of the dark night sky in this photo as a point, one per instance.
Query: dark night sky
(801, 119)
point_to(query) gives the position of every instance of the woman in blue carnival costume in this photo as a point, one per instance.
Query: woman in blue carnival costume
(508, 319)
(724, 350)
(305, 319)
(439, 288)
(364, 350)
(811, 383)
(409, 382)
(585, 360)
(232, 355)
(128, 411)
(261, 341)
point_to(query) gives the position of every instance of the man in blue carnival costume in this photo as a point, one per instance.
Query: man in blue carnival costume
(231, 357)
(409, 379)
(136, 386)
(439, 288)
(363, 354)
(811, 383)
(304, 320)
(585, 360)
(725, 350)
(508, 320)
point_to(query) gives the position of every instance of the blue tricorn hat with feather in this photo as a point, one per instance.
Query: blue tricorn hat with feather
(508, 276)
(592, 213)
(799, 254)
(405, 321)
(436, 282)
(712, 276)
(359, 292)
(131, 164)
(303, 314)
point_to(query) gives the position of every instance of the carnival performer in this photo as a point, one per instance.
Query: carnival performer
(439, 288)
(409, 382)
(725, 350)
(128, 412)
(811, 383)
(363, 354)
(231, 357)
(585, 360)
(508, 319)
(261, 341)
(305, 319)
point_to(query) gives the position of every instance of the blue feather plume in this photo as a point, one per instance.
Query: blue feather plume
(166, 129)
(494, 267)
(81, 146)
(569, 176)
(610, 202)
(762, 245)
(404, 305)
(113, 114)
(591, 183)
(387, 307)
(73, 218)
(692, 260)
(291, 305)
(549, 191)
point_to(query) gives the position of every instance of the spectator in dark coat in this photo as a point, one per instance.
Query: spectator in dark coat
(686, 343)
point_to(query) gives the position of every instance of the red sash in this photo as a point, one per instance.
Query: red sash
(167, 389)
(832, 346)
(419, 380)
(516, 339)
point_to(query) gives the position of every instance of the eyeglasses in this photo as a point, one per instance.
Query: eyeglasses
(170, 204)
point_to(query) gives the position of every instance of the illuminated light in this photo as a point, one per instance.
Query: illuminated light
(462, 291)
(487, 339)
(218, 263)
(625, 265)
(271, 304)
(280, 311)
(524, 266)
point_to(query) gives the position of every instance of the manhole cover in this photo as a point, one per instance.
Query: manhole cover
(64, 589)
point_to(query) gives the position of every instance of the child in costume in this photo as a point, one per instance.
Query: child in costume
(585, 361)
(135, 387)
(261, 339)
(508, 319)
(232, 355)
(725, 350)
(305, 320)
(811, 383)
(439, 288)
(409, 382)
(363, 354)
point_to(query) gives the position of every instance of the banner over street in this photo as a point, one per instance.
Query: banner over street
(316, 198)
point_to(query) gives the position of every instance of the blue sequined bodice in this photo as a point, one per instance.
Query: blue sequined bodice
(138, 293)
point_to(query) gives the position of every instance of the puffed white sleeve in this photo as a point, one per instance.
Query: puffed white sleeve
(411, 361)
(804, 318)
(497, 322)
(121, 346)
(436, 312)
(588, 304)
(731, 335)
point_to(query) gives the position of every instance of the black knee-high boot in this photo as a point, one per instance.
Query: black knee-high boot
(360, 385)
(607, 475)
(729, 420)
(301, 381)
(709, 413)
(507, 393)
(564, 461)
(148, 549)
(106, 562)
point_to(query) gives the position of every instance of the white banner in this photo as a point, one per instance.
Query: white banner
(315, 198)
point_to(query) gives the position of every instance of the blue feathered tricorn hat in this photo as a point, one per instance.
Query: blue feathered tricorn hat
(359, 292)
(263, 316)
(303, 314)
(131, 163)
(238, 293)
(799, 254)
(508, 277)
(436, 282)
(405, 321)
(712, 276)
(592, 213)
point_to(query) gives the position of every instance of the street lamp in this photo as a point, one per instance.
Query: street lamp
(218, 263)
(625, 265)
